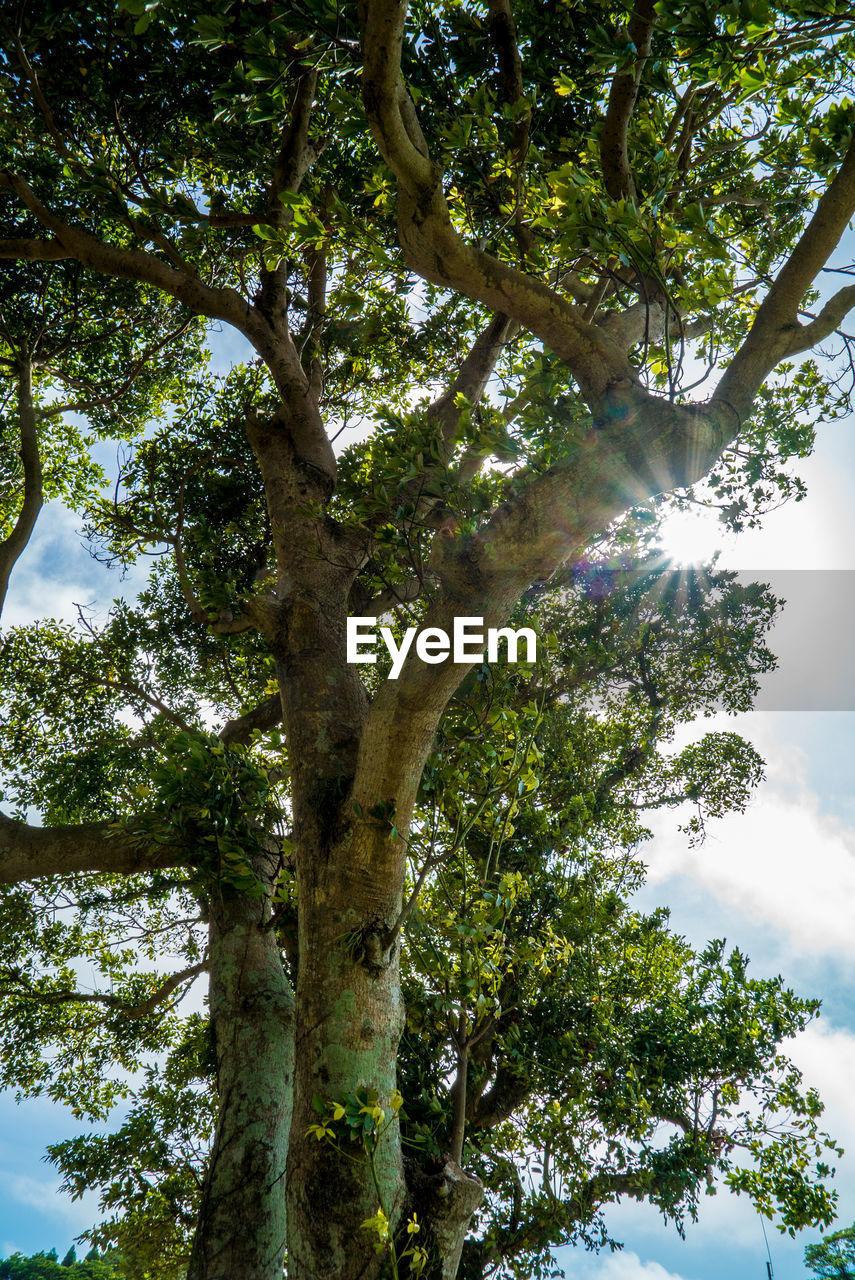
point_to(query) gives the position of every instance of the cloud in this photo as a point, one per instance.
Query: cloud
(628, 1266)
(45, 1197)
(783, 863)
(623, 1265)
(826, 1056)
(56, 572)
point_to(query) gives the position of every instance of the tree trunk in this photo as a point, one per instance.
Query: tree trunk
(350, 1013)
(350, 1016)
(241, 1226)
(352, 794)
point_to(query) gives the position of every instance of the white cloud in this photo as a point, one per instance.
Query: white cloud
(826, 1056)
(723, 1218)
(45, 1197)
(623, 1265)
(782, 863)
(628, 1266)
(56, 573)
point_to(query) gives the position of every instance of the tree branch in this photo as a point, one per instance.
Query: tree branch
(133, 264)
(30, 853)
(436, 250)
(100, 400)
(115, 1003)
(830, 318)
(508, 1091)
(614, 155)
(267, 333)
(775, 333)
(265, 715)
(42, 102)
(662, 444)
(12, 547)
(34, 250)
(458, 1090)
(500, 23)
(296, 156)
(293, 162)
(402, 593)
(473, 374)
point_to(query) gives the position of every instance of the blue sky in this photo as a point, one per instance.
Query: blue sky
(779, 882)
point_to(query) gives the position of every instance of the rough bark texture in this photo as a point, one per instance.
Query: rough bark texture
(241, 1226)
(350, 1020)
(14, 544)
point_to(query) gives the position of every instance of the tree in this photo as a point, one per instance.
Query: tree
(834, 1256)
(541, 1010)
(409, 220)
(44, 1266)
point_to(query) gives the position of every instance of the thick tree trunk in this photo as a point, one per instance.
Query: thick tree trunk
(349, 1018)
(352, 795)
(241, 1226)
(349, 1012)
(350, 1015)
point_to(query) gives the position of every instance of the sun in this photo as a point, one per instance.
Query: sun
(691, 537)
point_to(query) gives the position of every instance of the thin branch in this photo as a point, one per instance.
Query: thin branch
(42, 102)
(317, 300)
(775, 330)
(458, 1090)
(133, 264)
(500, 24)
(140, 1010)
(96, 401)
(682, 107)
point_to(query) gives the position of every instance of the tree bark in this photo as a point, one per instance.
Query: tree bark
(241, 1225)
(350, 1017)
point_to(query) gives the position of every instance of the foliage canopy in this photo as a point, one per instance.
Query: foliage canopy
(834, 1256)
(496, 254)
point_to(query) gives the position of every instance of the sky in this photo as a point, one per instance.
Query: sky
(778, 881)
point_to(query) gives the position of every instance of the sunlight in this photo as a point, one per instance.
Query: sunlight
(691, 537)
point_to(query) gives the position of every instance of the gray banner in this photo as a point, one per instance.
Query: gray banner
(813, 639)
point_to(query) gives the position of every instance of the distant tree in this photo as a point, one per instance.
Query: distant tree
(45, 1266)
(834, 1257)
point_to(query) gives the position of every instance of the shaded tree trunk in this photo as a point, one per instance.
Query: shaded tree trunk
(350, 1017)
(241, 1225)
